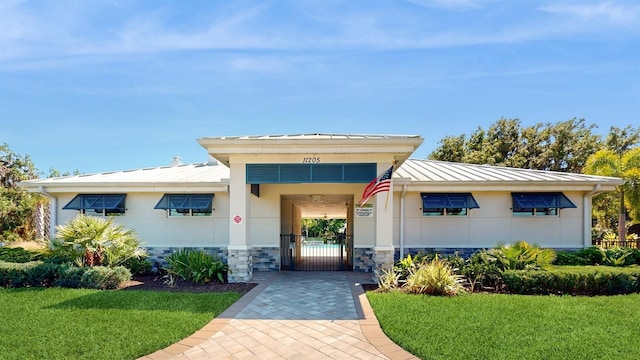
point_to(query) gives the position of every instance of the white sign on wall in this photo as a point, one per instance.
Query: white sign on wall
(364, 211)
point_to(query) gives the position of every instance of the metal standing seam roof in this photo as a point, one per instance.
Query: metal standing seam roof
(433, 171)
(178, 174)
(312, 136)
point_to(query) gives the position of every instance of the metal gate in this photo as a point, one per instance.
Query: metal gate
(300, 254)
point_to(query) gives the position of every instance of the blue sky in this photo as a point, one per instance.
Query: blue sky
(107, 85)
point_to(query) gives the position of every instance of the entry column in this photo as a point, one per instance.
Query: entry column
(239, 259)
(383, 251)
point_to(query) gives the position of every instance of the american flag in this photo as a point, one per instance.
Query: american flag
(379, 184)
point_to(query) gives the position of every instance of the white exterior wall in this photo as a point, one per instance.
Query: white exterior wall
(156, 229)
(493, 223)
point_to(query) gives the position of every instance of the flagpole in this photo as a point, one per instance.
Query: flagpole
(386, 202)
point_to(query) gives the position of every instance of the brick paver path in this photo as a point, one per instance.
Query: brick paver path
(293, 315)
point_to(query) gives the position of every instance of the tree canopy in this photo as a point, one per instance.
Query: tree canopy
(569, 146)
(16, 204)
(563, 146)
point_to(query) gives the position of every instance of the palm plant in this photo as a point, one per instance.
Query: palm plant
(94, 241)
(522, 256)
(624, 165)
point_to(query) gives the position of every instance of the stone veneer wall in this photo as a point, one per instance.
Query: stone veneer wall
(463, 252)
(363, 259)
(157, 254)
(266, 258)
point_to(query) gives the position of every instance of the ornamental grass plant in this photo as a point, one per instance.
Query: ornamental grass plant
(429, 277)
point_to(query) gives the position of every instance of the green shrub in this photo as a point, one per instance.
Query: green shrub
(569, 258)
(618, 256)
(480, 269)
(456, 262)
(104, 278)
(55, 258)
(434, 278)
(522, 256)
(69, 276)
(138, 265)
(33, 273)
(574, 280)
(38, 273)
(593, 255)
(196, 266)
(15, 274)
(14, 255)
(401, 269)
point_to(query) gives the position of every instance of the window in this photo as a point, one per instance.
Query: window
(98, 204)
(186, 204)
(540, 204)
(455, 204)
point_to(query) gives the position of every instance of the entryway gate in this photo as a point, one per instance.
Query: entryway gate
(300, 254)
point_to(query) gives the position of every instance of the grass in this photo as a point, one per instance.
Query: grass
(60, 323)
(494, 326)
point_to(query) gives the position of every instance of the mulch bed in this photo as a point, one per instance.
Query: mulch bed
(157, 283)
(369, 287)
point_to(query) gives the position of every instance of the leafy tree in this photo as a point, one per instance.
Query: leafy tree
(53, 172)
(569, 145)
(452, 149)
(16, 205)
(564, 146)
(621, 140)
(607, 162)
(327, 228)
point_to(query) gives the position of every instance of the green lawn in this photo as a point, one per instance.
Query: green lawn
(91, 324)
(486, 326)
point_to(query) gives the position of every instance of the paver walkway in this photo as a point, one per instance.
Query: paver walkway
(293, 315)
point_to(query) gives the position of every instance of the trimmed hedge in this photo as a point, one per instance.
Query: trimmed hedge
(574, 280)
(38, 273)
(15, 255)
(32, 273)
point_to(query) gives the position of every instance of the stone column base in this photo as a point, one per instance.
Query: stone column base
(240, 265)
(383, 259)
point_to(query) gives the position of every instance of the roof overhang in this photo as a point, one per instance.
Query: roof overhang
(113, 187)
(488, 186)
(400, 147)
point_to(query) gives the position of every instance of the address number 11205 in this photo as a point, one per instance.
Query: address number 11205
(311, 160)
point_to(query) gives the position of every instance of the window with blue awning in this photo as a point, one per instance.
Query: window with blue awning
(540, 203)
(443, 204)
(186, 204)
(99, 203)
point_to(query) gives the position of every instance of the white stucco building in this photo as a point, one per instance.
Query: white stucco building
(246, 204)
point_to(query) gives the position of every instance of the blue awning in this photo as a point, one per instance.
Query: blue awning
(96, 202)
(185, 202)
(448, 201)
(545, 200)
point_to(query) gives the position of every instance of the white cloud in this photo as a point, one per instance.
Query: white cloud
(608, 11)
(69, 34)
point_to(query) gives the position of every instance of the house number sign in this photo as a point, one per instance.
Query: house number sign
(311, 160)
